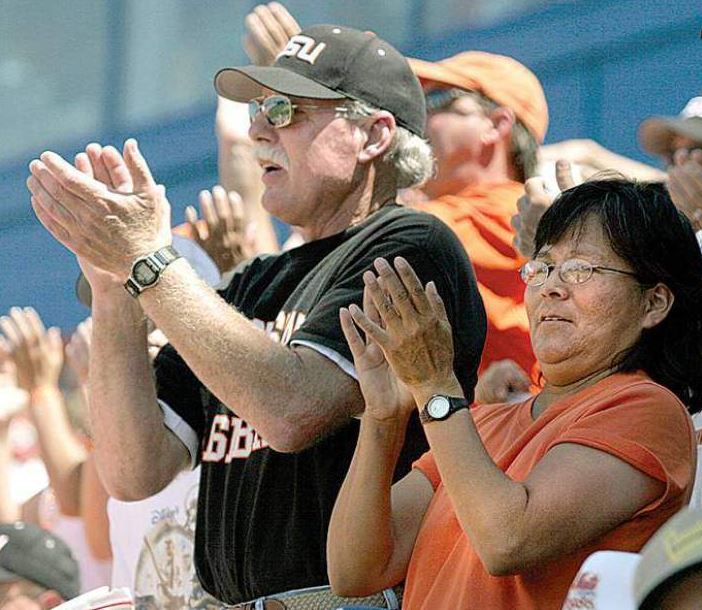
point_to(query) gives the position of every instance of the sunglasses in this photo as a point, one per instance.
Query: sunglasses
(279, 110)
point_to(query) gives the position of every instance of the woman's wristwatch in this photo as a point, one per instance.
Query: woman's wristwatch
(440, 407)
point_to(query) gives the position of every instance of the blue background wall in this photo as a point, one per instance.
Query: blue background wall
(605, 65)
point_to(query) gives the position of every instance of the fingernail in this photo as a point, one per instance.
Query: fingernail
(401, 262)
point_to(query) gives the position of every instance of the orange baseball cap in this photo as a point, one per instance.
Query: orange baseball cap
(503, 79)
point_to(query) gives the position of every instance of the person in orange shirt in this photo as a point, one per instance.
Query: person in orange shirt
(512, 498)
(487, 114)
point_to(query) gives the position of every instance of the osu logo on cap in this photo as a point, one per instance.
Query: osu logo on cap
(303, 47)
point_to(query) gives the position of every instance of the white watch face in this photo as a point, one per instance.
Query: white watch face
(438, 407)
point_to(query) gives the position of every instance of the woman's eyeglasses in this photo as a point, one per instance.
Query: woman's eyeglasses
(572, 271)
(279, 110)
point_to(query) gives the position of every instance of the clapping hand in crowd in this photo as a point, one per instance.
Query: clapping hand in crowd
(685, 184)
(268, 29)
(223, 232)
(532, 205)
(383, 392)
(38, 356)
(105, 228)
(37, 352)
(409, 344)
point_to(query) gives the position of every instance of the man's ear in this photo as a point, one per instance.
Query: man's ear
(380, 133)
(502, 119)
(658, 301)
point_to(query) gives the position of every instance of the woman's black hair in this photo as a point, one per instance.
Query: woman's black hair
(643, 227)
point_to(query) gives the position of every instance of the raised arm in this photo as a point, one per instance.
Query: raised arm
(38, 356)
(513, 525)
(373, 527)
(290, 395)
(127, 422)
(13, 400)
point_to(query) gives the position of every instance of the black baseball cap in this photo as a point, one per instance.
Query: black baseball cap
(332, 62)
(27, 552)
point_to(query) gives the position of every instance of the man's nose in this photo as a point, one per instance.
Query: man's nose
(260, 129)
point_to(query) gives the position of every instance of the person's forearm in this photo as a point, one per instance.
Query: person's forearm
(489, 505)
(9, 510)
(136, 455)
(361, 541)
(61, 451)
(94, 511)
(289, 396)
(605, 159)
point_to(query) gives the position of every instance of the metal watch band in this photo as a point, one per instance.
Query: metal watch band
(156, 261)
(455, 404)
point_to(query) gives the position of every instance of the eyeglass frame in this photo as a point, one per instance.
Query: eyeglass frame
(551, 267)
(257, 105)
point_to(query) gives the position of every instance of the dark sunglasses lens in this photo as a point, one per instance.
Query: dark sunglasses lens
(278, 110)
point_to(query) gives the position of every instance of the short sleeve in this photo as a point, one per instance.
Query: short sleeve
(427, 466)
(179, 390)
(435, 256)
(646, 426)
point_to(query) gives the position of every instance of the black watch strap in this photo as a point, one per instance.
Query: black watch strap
(440, 407)
(156, 262)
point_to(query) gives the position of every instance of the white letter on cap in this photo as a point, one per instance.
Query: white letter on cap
(303, 48)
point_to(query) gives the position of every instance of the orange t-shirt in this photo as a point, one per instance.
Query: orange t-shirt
(625, 415)
(480, 216)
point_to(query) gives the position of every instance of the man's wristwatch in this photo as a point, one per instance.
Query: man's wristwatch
(147, 270)
(440, 407)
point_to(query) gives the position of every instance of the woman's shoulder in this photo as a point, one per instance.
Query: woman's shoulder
(633, 399)
(621, 388)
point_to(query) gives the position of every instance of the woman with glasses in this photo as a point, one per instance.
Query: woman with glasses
(511, 499)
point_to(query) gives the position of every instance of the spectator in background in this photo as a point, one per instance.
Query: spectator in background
(38, 358)
(511, 499)
(37, 569)
(486, 116)
(678, 142)
(663, 136)
(13, 401)
(271, 420)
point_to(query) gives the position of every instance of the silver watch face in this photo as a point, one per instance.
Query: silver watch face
(144, 274)
(438, 407)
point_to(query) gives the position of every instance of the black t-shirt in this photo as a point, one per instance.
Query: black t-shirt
(263, 515)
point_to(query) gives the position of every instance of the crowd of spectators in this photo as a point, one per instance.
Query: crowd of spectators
(469, 379)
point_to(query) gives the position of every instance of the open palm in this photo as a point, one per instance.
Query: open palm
(386, 397)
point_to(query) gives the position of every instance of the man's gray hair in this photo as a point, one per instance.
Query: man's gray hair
(410, 155)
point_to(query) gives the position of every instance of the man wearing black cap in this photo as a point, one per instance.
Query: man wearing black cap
(261, 390)
(37, 569)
